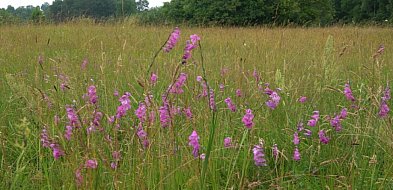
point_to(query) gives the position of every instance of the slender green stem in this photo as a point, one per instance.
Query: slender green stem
(155, 56)
(212, 126)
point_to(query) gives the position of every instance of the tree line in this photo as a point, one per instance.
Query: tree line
(272, 12)
(212, 12)
(64, 10)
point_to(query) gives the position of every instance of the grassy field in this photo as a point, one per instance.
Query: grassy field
(42, 74)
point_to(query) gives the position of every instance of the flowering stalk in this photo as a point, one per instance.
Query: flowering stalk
(259, 155)
(314, 119)
(227, 142)
(348, 92)
(322, 137)
(274, 100)
(177, 88)
(143, 136)
(296, 154)
(194, 142)
(248, 119)
(384, 108)
(176, 32)
(230, 104)
(190, 45)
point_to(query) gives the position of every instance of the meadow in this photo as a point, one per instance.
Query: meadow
(307, 108)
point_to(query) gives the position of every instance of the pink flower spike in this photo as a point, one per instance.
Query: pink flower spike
(275, 151)
(248, 119)
(259, 155)
(227, 142)
(91, 164)
(296, 154)
(238, 93)
(348, 92)
(172, 41)
(153, 79)
(194, 142)
(302, 99)
(296, 139)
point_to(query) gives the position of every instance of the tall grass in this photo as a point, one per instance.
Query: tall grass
(313, 62)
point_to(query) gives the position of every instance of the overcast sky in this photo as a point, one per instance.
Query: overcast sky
(18, 3)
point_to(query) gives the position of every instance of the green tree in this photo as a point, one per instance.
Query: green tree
(37, 16)
(142, 5)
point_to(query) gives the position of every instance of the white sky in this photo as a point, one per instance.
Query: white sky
(18, 3)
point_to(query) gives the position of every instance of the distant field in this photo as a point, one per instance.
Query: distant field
(46, 72)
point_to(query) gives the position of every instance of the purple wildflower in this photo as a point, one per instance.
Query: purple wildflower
(173, 39)
(348, 92)
(152, 116)
(267, 90)
(272, 103)
(141, 112)
(248, 119)
(259, 155)
(275, 151)
(194, 142)
(92, 94)
(238, 93)
(116, 93)
(204, 89)
(230, 104)
(302, 99)
(202, 156)
(343, 113)
(96, 121)
(190, 45)
(177, 87)
(125, 105)
(307, 133)
(165, 118)
(68, 132)
(296, 154)
(296, 139)
(153, 78)
(221, 86)
(199, 78)
(57, 152)
(322, 137)
(45, 138)
(143, 137)
(72, 117)
(300, 126)
(227, 142)
(386, 94)
(113, 165)
(91, 164)
(116, 155)
(383, 109)
(187, 112)
(212, 102)
(336, 122)
(314, 119)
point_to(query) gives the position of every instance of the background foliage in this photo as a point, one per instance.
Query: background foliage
(217, 12)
